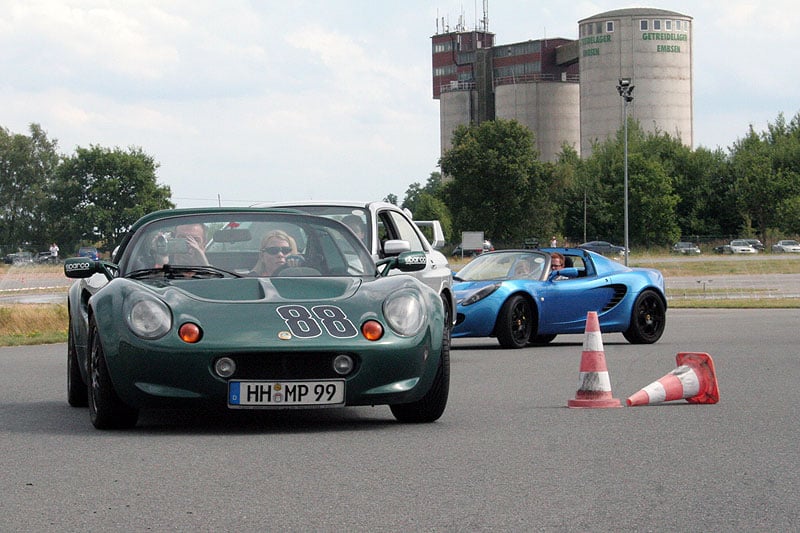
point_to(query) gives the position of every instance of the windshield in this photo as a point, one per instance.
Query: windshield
(355, 218)
(249, 243)
(505, 265)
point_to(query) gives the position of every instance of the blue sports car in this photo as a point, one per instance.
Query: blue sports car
(529, 296)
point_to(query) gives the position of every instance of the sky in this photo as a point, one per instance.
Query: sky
(256, 101)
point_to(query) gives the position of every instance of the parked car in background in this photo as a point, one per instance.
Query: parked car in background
(686, 248)
(722, 249)
(603, 247)
(19, 259)
(755, 243)
(459, 250)
(742, 246)
(88, 251)
(44, 257)
(786, 245)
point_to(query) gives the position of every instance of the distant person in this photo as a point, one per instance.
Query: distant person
(54, 253)
(522, 268)
(356, 225)
(553, 242)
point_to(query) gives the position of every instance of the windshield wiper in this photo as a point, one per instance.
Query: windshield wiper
(182, 272)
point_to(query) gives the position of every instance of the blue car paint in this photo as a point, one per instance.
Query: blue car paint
(561, 306)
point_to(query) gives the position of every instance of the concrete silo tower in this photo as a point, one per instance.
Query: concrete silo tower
(652, 48)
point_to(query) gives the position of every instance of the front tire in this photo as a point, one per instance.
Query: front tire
(77, 390)
(106, 410)
(431, 406)
(648, 319)
(515, 322)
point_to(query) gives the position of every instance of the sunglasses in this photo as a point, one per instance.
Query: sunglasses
(556, 264)
(275, 250)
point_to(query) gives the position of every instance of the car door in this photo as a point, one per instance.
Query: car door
(565, 303)
(395, 225)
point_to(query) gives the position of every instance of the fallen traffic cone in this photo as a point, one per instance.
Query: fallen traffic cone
(694, 380)
(594, 385)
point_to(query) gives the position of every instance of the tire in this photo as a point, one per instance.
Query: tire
(431, 406)
(648, 319)
(106, 410)
(515, 322)
(77, 390)
(542, 339)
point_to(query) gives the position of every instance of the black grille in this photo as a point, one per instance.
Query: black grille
(267, 365)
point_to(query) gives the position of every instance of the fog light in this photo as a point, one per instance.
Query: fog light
(343, 364)
(225, 367)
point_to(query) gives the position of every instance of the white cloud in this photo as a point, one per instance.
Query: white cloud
(314, 99)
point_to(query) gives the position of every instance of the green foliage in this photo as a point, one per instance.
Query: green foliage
(91, 197)
(492, 165)
(109, 190)
(27, 166)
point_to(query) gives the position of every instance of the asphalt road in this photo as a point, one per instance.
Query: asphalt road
(507, 455)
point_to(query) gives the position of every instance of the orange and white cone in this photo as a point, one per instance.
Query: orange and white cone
(695, 381)
(594, 384)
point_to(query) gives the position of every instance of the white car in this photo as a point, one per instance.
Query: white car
(741, 246)
(787, 245)
(388, 230)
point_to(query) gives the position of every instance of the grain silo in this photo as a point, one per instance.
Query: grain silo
(653, 49)
(533, 87)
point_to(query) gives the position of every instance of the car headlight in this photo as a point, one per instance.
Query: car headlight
(405, 313)
(148, 318)
(480, 294)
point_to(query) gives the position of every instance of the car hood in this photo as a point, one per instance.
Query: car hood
(253, 289)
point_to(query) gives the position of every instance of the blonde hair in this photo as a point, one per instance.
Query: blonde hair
(274, 234)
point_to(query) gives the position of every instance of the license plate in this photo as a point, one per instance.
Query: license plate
(285, 393)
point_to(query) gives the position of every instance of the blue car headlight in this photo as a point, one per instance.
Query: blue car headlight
(147, 317)
(480, 294)
(405, 313)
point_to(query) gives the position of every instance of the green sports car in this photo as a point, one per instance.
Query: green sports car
(252, 309)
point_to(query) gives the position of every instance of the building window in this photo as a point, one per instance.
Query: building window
(643, 25)
(590, 27)
(667, 25)
(610, 26)
(677, 25)
(656, 25)
(599, 28)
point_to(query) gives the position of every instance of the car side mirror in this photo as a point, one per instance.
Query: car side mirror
(411, 261)
(395, 247)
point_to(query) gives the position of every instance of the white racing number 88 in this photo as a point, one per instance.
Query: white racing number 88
(305, 324)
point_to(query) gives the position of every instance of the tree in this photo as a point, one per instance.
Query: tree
(431, 208)
(651, 196)
(27, 166)
(102, 192)
(490, 166)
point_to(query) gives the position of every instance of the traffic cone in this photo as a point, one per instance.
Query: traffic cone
(694, 380)
(594, 385)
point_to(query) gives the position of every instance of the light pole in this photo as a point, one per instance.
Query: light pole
(626, 92)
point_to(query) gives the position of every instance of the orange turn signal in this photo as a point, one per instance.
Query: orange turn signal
(190, 333)
(372, 330)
